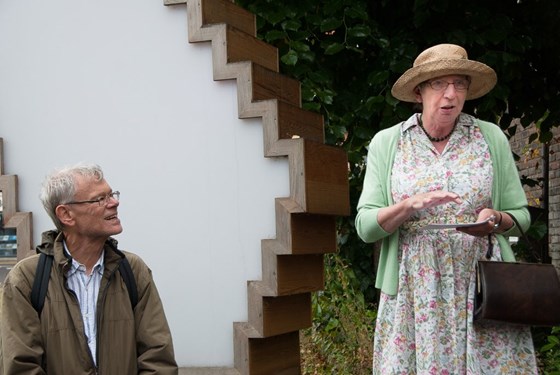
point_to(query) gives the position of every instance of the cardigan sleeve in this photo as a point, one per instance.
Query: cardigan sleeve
(376, 192)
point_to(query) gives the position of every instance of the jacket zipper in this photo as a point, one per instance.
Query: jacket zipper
(73, 294)
(98, 322)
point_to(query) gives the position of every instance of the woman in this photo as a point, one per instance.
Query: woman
(441, 166)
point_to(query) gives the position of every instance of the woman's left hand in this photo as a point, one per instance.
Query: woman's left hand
(490, 216)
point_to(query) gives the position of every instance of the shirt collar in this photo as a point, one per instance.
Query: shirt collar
(75, 266)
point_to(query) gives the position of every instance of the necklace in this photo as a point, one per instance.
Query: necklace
(436, 139)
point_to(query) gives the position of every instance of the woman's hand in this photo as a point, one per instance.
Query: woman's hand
(492, 217)
(432, 199)
(390, 218)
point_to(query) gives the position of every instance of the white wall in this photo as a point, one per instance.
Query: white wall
(117, 83)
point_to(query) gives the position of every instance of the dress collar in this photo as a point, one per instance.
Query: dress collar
(464, 120)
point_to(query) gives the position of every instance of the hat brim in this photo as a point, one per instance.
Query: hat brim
(483, 78)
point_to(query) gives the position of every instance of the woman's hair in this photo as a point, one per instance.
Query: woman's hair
(60, 186)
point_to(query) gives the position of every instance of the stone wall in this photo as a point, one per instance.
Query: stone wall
(531, 164)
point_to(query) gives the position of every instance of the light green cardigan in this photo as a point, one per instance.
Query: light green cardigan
(507, 195)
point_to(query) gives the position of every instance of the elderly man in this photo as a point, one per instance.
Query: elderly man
(88, 324)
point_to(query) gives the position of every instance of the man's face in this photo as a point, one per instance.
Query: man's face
(93, 220)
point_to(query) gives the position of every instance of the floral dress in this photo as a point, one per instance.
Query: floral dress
(427, 327)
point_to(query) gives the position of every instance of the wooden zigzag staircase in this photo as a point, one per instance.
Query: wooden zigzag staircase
(292, 264)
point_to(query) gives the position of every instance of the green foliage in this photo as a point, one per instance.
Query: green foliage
(340, 339)
(348, 53)
(547, 344)
(535, 247)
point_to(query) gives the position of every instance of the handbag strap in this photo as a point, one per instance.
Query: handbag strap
(523, 235)
(490, 247)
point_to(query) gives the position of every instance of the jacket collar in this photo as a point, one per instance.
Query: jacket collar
(52, 244)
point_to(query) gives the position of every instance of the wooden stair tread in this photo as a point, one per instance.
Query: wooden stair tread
(268, 84)
(225, 11)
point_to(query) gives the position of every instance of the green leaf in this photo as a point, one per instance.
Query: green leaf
(360, 31)
(334, 48)
(378, 77)
(307, 94)
(374, 101)
(554, 340)
(290, 58)
(320, 77)
(292, 25)
(276, 17)
(274, 35)
(299, 46)
(391, 100)
(356, 12)
(326, 97)
(333, 323)
(330, 24)
(307, 56)
(311, 106)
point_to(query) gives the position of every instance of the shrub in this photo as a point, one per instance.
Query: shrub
(547, 345)
(340, 339)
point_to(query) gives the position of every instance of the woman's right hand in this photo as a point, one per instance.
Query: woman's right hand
(432, 199)
(390, 218)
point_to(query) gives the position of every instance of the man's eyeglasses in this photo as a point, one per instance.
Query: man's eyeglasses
(440, 84)
(102, 201)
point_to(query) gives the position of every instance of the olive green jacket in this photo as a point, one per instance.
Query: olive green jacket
(507, 196)
(128, 342)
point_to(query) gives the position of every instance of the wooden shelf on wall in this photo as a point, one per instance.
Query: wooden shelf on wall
(21, 222)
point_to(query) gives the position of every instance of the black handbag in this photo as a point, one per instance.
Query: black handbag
(516, 292)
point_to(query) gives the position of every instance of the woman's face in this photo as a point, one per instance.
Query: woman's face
(443, 97)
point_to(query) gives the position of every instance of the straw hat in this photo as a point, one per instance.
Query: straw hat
(442, 60)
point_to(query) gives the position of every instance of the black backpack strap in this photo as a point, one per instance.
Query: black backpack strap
(128, 278)
(43, 272)
(41, 282)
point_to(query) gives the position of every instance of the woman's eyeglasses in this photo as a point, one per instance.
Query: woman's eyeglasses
(440, 84)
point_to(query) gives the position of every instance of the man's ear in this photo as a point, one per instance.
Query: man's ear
(64, 215)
